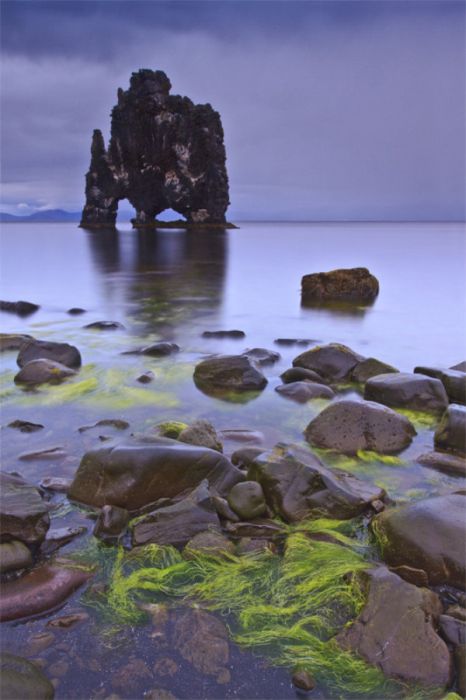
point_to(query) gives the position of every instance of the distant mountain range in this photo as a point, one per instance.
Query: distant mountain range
(50, 216)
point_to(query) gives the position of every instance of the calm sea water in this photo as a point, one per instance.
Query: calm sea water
(173, 285)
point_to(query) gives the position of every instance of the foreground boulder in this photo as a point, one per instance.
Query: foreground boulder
(41, 349)
(454, 381)
(349, 426)
(23, 514)
(229, 372)
(354, 284)
(22, 680)
(333, 362)
(304, 391)
(43, 372)
(395, 631)
(415, 392)
(297, 485)
(451, 431)
(134, 475)
(178, 523)
(39, 591)
(427, 535)
(370, 367)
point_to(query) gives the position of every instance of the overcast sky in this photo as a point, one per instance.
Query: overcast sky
(348, 109)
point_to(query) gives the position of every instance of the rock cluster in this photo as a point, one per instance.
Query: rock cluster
(164, 152)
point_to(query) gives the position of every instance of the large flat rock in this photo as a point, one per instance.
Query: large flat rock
(23, 514)
(428, 535)
(63, 353)
(134, 475)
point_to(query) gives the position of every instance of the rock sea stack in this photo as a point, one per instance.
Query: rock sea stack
(165, 152)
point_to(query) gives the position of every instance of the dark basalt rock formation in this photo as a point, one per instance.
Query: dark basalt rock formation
(164, 152)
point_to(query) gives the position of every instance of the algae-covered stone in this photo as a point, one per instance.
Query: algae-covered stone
(134, 475)
(234, 372)
(14, 555)
(454, 381)
(201, 433)
(301, 392)
(21, 680)
(416, 392)
(349, 426)
(451, 432)
(396, 631)
(43, 372)
(208, 542)
(63, 353)
(170, 429)
(370, 367)
(334, 361)
(297, 485)
(23, 514)
(428, 535)
(355, 284)
(246, 499)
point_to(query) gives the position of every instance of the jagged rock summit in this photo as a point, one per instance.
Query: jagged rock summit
(165, 152)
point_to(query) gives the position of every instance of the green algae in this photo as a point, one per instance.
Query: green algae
(170, 429)
(420, 419)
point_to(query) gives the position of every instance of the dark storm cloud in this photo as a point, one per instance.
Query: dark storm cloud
(331, 109)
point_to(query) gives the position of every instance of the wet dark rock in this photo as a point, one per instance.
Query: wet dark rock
(76, 311)
(22, 680)
(146, 377)
(300, 374)
(14, 555)
(111, 523)
(247, 500)
(262, 356)
(133, 475)
(63, 353)
(304, 391)
(164, 152)
(396, 631)
(348, 426)
(67, 621)
(303, 680)
(209, 542)
(461, 366)
(417, 577)
(24, 515)
(355, 284)
(161, 349)
(25, 426)
(177, 524)
(39, 591)
(21, 308)
(201, 433)
(223, 509)
(454, 381)
(415, 392)
(286, 342)
(202, 640)
(452, 629)
(224, 334)
(244, 457)
(105, 326)
(451, 431)
(242, 435)
(370, 367)
(334, 362)
(229, 372)
(297, 485)
(43, 372)
(13, 341)
(55, 483)
(117, 423)
(460, 667)
(46, 454)
(59, 537)
(428, 535)
(444, 462)
(261, 528)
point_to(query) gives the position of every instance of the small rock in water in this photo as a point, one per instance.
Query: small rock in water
(45, 454)
(354, 284)
(108, 422)
(229, 372)
(105, 326)
(242, 435)
(146, 377)
(43, 371)
(76, 311)
(63, 353)
(247, 500)
(14, 555)
(21, 308)
(301, 392)
(262, 356)
(25, 426)
(300, 374)
(303, 680)
(334, 361)
(161, 349)
(293, 341)
(224, 334)
(201, 433)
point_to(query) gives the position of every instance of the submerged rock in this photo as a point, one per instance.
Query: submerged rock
(229, 372)
(354, 284)
(117, 423)
(178, 523)
(43, 372)
(334, 361)
(370, 367)
(76, 311)
(134, 475)
(22, 680)
(396, 631)
(105, 326)
(25, 426)
(304, 391)
(454, 381)
(201, 433)
(451, 431)
(39, 591)
(24, 515)
(224, 334)
(262, 356)
(21, 308)
(444, 462)
(297, 485)
(202, 640)
(13, 341)
(303, 680)
(287, 342)
(428, 535)
(415, 392)
(14, 555)
(63, 353)
(161, 349)
(146, 377)
(247, 500)
(208, 542)
(164, 152)
(111, 523)
(349, 426)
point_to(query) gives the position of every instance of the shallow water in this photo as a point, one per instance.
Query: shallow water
(173, 285)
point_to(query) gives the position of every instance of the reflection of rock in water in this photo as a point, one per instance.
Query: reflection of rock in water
(170, 276)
